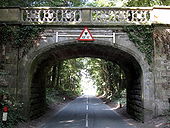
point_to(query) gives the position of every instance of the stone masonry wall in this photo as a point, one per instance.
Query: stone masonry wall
(162, 69)
(8, 68)
(3, 82)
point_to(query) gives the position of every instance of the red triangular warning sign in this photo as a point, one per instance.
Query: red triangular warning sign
(86, 35)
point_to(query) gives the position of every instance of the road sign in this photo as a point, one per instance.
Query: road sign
(86, 35)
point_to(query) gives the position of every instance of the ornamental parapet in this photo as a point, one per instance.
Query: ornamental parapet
(86, 16)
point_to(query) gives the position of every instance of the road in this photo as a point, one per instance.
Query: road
(86, 112)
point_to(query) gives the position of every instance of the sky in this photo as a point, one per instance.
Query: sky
(90, 0)
(87, 84)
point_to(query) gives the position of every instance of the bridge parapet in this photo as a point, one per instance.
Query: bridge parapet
(102, 16)
(121, 15)
(86, 16)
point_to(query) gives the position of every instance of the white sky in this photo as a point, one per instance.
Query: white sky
(87, 84)
(90, 0)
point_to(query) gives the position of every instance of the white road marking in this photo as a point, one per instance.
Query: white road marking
(87, 107)
(87, 100)
(87, 116)
(87, 122)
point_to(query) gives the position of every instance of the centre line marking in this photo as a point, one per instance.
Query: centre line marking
(87, 100)
(87, 107)
(87, 122)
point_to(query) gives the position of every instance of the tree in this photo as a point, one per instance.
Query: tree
(101, 3)
(145, 3)
(128, 3)
(107, 76)
(66, 76)
(36, 3)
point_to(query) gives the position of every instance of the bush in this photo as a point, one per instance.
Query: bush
(54, 96)
(15, 110)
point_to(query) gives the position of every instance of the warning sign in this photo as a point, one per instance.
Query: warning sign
(86, 35)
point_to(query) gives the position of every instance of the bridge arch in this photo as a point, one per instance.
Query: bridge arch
(140, 79)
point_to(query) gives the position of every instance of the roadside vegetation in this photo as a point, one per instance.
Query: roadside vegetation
(15, 109)
(63, 81)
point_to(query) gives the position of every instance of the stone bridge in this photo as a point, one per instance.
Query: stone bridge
(148, 90)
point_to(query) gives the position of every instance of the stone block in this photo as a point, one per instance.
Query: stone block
(10, 15)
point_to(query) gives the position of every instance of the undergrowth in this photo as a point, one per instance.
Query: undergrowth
(58, 96)
(15, 110)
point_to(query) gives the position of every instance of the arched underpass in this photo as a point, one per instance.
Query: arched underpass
(74, 49)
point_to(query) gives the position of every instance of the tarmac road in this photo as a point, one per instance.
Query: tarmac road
(86, 112)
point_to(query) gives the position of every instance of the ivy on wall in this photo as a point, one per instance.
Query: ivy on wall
(162, 41)
(22, 37)
(141, 36)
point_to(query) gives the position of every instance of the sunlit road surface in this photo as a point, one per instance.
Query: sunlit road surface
(86, 112)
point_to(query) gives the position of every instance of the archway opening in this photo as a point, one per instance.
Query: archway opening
(126, 62)
(85, 76)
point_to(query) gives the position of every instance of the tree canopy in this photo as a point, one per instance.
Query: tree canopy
(78, 3)
(36, 3)
(145, 3)
(128, 3)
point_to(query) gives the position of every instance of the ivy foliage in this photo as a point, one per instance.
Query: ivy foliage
(18, 36)
(26, 34)
(142, 37)
(23, 37)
